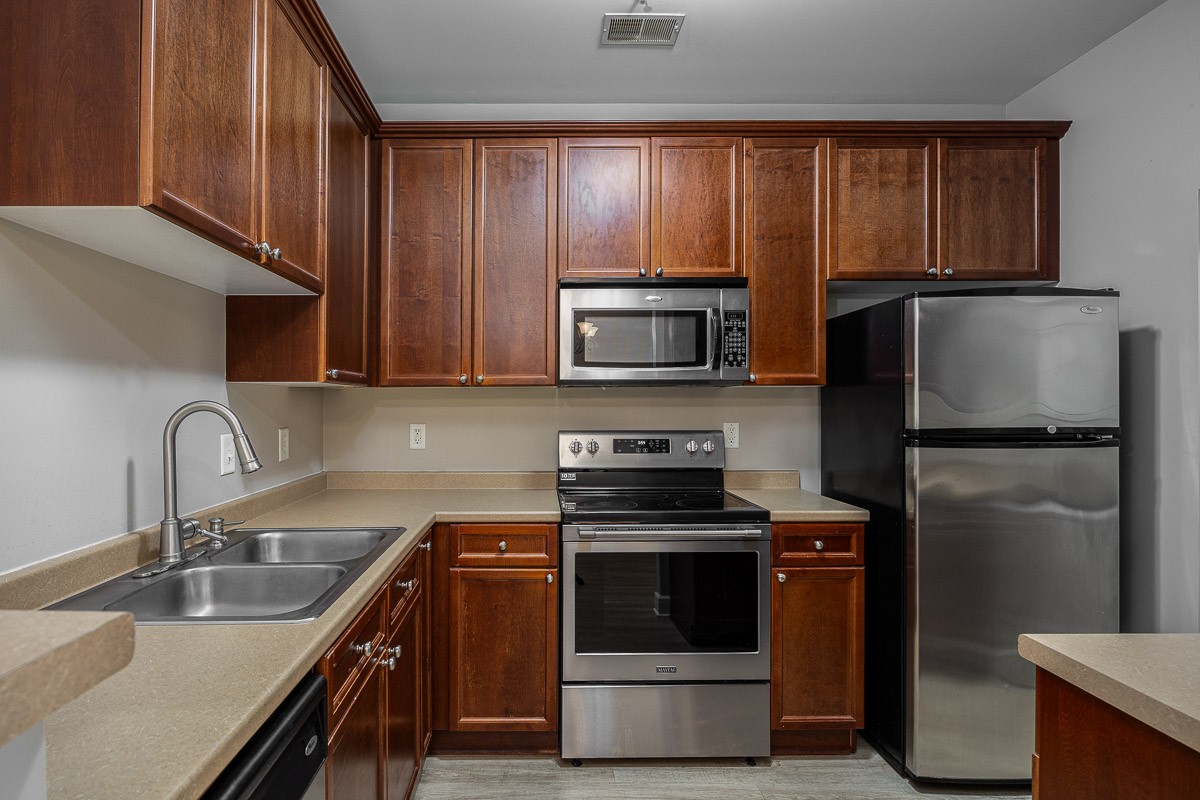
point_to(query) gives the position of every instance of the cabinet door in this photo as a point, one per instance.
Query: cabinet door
(295, 83)
(994, 205)
(200, 133)
(426, 608)
(696, 194)
(515, 261)
(345, 322)
(353, 770)
(817, 648)
(426, 263)
(603, 207)
(882, 198)
(785, 259)
(503, 650)
(404, 703)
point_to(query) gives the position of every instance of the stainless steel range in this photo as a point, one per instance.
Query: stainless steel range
(666, 600)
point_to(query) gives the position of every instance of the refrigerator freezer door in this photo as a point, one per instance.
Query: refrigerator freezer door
(1001, 541)
(1011, 363)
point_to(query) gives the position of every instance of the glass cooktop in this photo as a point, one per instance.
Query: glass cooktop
(668, 507)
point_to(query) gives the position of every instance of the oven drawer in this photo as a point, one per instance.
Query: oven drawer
(813, 544)
(504, 545)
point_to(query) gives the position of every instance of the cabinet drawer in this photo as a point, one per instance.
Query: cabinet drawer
(503, 545)
(350, 658)
(404, 586)
(816, 544)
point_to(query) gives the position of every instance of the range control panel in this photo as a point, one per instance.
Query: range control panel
(641, 449)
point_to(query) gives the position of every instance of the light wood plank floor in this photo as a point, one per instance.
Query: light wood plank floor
(862, 776)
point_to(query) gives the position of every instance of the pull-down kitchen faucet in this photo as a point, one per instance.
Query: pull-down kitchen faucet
(170, 543)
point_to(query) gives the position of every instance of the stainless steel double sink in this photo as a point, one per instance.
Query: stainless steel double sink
(262, 575)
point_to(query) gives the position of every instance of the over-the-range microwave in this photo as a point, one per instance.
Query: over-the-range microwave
(653, 331)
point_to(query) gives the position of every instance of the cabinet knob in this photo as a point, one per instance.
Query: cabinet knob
(426, 546)
(462, 378)
(948, 272)
(276, 254)
(753, 378)
(781, 577)
(931, 272)
(819, 545)
(503, 545)
(407, 585)
(396, 651)
(479, 379)
(390, 663)
(365, 648)
(549, 577)
(332, 374)
(642, 272)
(658, 272)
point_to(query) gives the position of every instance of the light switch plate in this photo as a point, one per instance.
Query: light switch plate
(228, 457)
(285, 451)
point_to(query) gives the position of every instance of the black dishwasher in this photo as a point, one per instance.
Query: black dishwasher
(285, 759)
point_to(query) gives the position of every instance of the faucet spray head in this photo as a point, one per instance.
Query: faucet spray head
(246, 455)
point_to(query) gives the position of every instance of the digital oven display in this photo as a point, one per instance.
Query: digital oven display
(641, 446)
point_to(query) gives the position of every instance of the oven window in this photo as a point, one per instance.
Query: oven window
(634, 339)
(666, 602)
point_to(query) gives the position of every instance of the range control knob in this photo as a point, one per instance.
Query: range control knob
(691, 446)
(709, 446)
(593, 447)
(575, 447)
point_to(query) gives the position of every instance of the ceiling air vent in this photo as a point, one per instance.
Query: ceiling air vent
(641, 29)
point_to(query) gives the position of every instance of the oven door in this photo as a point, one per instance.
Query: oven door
(681, 611)
(651, 335)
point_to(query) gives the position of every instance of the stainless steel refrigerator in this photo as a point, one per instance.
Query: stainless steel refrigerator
(981, 430)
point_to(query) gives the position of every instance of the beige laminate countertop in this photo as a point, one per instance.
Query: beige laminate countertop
(1154, 678)
(51, 657)
(166, 726)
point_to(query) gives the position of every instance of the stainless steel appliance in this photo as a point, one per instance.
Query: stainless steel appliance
(980, 430)
(653, 331)
(666, 600)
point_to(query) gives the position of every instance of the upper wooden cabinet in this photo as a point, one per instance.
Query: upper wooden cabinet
(947, 209)
(316, 339)
(208, 113)
(696, 194)
(882, 202)
(785, 259)
(603, 207)
(995, 209)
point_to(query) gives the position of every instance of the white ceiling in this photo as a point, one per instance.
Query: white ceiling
(752, 51)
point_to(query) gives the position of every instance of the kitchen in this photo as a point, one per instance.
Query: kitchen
(138, 345)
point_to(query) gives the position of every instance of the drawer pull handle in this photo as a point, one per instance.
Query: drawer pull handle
(365, 648)
(426, 546)
(819, 545)
(389, 662)
(782, 578)
(407, 585)
(503, 545)
(397, 650)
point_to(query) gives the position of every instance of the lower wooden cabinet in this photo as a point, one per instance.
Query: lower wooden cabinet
(817, 640)
(352, 768)
(405, 659)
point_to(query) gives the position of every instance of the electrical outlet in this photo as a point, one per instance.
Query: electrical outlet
(285, 451)
(228, 457)
(416, 436)
(732, 434)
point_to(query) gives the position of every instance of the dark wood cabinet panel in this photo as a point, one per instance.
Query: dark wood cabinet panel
(515, 257)
(1090, 750)
(295, 84)
(201, 120)
(813, 544)
(353, 770)
(785, 259)
(603, 207)
(994, 209)
(425, 272)
(696, 194)
(883, 203)
(405, 689)
(491, 545)
(503, 650)
(817, 648)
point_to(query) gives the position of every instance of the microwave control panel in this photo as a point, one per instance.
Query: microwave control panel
(735, 351)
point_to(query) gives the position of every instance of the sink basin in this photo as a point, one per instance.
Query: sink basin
(232, 592)
(301, 546)
(262, 575)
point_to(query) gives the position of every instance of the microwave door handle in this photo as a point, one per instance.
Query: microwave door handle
(714, 318)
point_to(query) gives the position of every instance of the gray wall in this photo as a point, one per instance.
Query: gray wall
(1130, 182)
(95, 355)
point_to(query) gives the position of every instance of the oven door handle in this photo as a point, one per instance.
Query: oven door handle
(659, 536)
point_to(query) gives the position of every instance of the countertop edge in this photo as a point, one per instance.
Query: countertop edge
(1147, 709)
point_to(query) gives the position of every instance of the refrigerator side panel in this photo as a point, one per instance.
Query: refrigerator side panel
(862, 461)
(1005, 541)
(1013, 363)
